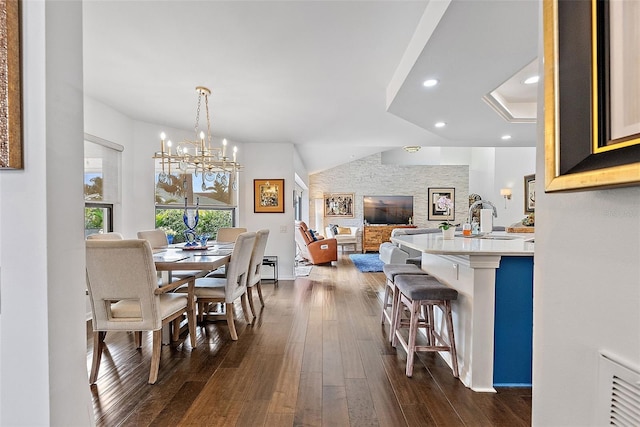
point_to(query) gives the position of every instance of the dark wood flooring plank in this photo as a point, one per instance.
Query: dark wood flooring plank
(384, 400)
(309, 405)
(360, 403)
(285, 393)
(335, 410)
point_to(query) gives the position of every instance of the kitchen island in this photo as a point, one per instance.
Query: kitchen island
(493, 315)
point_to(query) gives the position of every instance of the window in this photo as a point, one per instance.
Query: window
(210, 220)
(102, 172)
(98, 218)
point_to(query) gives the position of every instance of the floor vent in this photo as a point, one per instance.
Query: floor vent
(620, 393)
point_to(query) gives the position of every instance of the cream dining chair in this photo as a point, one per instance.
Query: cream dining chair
(226, 235)
(157, 238)
(229, 234)
(124, 295)
(228, 289)
(255, 278)
(105, 236)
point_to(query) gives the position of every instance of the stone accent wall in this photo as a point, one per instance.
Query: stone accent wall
(369, 177)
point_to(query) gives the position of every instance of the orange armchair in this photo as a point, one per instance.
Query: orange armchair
(321, 251)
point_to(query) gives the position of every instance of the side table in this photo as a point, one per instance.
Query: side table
(272, 261)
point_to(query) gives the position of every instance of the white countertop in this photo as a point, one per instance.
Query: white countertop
(518, 244)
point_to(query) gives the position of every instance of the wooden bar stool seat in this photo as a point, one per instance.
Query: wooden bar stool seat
(418, 293)
(390, 298)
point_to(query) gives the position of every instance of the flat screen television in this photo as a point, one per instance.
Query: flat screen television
(388, 209)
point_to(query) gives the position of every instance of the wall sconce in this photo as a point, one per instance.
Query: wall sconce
(506, 193)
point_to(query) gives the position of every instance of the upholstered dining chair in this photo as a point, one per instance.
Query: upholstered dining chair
(255, 264)
(228, 289)
(125, 296)
(157, 238)
(226, 235)
(229, 234)
(105, 236)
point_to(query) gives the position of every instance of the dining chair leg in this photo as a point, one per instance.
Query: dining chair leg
(245, 309)
(137, 338)
(230, 321)
(191, 322)
(250, 298)
(155, 356)
(175, 329)
(98, 345)
(201, 306)
(259, 286)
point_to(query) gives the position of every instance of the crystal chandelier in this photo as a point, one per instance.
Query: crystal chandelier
(198, 156)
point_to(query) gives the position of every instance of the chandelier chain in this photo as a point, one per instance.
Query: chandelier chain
(206, 106)
(196, 128)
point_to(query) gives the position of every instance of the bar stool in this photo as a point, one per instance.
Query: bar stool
(417, 292)
(391, 271)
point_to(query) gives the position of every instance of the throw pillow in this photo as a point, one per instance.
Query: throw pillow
(334, 229)
(344, 230)
(313, 235)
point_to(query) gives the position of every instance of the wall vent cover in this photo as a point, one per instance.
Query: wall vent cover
(619, 386)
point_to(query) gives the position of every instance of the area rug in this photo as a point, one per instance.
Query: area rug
(303, 270)
(367, 263)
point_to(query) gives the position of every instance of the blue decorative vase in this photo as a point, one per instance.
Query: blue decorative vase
(190, 217)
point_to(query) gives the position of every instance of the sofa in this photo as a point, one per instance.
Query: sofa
(345, 236)
(316, 249)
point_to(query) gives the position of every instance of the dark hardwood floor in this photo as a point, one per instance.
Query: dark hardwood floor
(315, 356)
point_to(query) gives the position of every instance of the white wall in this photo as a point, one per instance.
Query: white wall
(482, 172)
(512, 164)
(42, 335)
(271, 161)
(586, 294)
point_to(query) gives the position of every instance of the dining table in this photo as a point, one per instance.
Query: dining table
(179, 258)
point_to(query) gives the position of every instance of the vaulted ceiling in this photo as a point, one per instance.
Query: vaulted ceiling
(339, 79)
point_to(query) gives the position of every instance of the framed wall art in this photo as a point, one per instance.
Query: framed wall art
(11, 156)
(442, 204)
(592, 117)
(338, 205)
(268, 195)
(529, 194)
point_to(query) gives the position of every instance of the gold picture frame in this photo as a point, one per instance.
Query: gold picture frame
(11, 156)
(268, 195)
(581, 151)
(529, 194)
(339, 205)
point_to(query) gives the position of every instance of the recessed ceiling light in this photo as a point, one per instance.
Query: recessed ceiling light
(506, 137)
(440, 124)
(531, 80)
(430, 83)
(411, 148)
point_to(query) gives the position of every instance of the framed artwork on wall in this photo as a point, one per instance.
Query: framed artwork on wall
(10, 87)
(591, 114)
(529, 194)
(268, 195)
(338, 205)
(442, 204)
